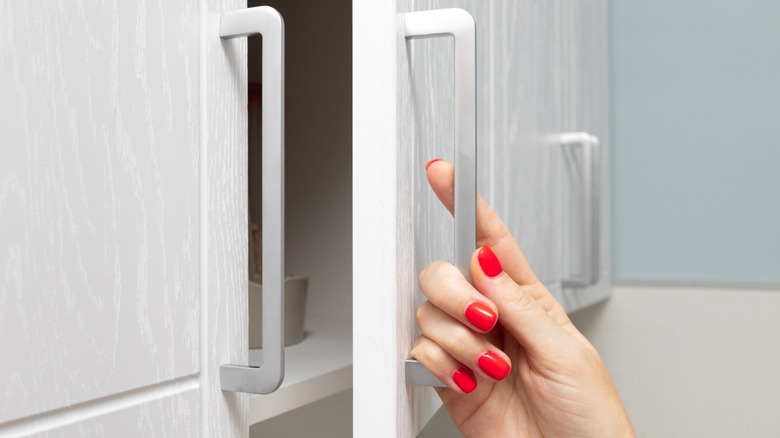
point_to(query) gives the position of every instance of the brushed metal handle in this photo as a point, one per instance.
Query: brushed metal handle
(460, 25)
(266, 21)
(589, 250)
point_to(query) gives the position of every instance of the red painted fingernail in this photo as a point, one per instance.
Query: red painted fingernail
(431, 162)
(489, 262)
(481, 316)
(493, 365)
(465, 380)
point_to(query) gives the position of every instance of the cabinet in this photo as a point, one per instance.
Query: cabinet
(123, 199)
(527, 66)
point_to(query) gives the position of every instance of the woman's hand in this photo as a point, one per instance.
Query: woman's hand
(513, 362)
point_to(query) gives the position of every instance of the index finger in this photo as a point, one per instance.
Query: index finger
(491, 230)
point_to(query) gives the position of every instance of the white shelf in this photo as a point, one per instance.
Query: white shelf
(320, 366)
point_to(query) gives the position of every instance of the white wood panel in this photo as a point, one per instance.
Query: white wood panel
(223, 220)
(391, 122)
(169, 409)
(426, 130)
(99, 202)
(521, 172)
(377, 373)
(170, 416)
(519, 95)
(585, 91)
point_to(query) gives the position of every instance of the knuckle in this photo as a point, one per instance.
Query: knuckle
(430, 271)
(420, 314)
(461, 337)
(435, 269)
(424, 351)
(439, 279)
(520, 300)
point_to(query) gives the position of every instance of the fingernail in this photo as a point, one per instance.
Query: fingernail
(481, 316)
(465, 380)
(431, 162)
(493, 365)
(489, 262)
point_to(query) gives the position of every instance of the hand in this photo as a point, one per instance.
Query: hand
(513, 362)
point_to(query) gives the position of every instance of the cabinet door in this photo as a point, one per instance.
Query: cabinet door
(519, 169)
(404, 106)
(584, 91)
(122, 219)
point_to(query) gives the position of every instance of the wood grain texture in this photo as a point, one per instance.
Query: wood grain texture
(426, 130)
(522, 93)
(165, 409)
(99, 202)
(519, 166)
(520, 104)
(223, 221)
(171, 416)
(585, 91)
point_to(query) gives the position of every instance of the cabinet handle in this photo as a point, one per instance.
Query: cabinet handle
(460, 25)
(590, 223)
(266, 21)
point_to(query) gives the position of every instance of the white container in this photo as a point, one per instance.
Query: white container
(295, 291)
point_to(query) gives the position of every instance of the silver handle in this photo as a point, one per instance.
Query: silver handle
(266, 21)
(460, 25)
(590, 223)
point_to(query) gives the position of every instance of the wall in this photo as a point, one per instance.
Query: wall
(695, 110)
(692, 362)
(330, 417)
(695, 200)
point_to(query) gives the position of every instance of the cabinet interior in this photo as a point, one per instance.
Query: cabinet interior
(318, 194)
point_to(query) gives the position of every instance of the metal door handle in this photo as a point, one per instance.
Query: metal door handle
(266, 21)
(460, 25)
(590, 248)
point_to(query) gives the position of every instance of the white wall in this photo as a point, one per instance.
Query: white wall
(692, 362)
(695, 96)
(696, 199)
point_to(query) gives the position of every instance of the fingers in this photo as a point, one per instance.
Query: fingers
(491, 230)
(462, 343)
(534, 328)
(442, 365)
(447, 289)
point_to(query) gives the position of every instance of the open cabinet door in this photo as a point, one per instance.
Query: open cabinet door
(404, 115)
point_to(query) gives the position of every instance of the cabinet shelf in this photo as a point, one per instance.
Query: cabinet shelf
(319, 366)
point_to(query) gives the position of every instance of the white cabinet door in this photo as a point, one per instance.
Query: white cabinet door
(404, 116)
(403, 106)
(584, 91)
(122, 219)
(519, 168)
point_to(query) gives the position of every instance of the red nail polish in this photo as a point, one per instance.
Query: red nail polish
(481, 316)
(493, 365)
(465, 380)
(431, 162)
(489, 262)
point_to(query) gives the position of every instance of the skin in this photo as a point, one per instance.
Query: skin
(558, 385)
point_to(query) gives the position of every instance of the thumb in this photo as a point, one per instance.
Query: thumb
(519, 313)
